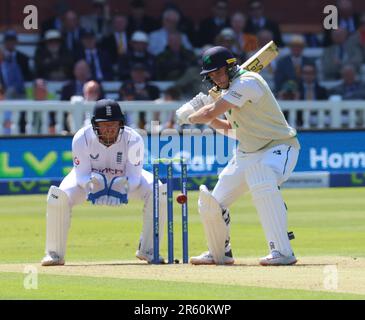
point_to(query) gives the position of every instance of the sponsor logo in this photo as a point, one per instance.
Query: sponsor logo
(54, 196)
(94, 157)
(108, 110)
(278, 152)
(119, 157)
(235, 94)
(76, 161)
(108, 171)
(323, 159)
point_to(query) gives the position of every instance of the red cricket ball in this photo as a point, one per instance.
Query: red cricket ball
(181, 198)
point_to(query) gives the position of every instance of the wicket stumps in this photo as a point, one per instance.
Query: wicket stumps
(170, 215)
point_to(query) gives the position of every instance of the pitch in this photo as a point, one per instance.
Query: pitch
(329, 226)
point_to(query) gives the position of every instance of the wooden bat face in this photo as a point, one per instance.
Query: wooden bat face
(261, 58)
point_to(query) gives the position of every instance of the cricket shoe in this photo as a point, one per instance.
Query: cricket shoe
(207, 258)
(275, 258)
(52, 259)
(148, 257)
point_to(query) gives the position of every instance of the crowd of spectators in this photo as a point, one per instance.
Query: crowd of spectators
(135, 49)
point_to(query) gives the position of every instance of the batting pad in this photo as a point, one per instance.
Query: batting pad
(58, 221)
(270, 206)
(215, 228)
(146, 240)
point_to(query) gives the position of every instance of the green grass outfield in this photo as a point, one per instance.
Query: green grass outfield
(329, 225)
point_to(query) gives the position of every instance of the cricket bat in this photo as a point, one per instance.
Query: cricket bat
(256, 63)
(261, 58)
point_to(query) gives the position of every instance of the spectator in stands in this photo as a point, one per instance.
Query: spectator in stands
(56, 21)
(186, 24)
(174, 60)
(10, 42)
(289, 91)
(289, 67)
(117, 41)
(226, 38)
(170, 94)
(247, 42)
(82, 74)
(358, 38)
(311, 90)
(138, 88)
(72, 32)
(39, 92)
(6, 125)
(257, 21)
(190, 83)
(138, 20)
(12, 84)
(92, 91)
(98, 20)
(339, 54)
(211, 26)
(348, 19)
(11, 76)
(309, 87)
(137, 54)
(52, 60)
(351, 88)
(159, 38)
(98, 59)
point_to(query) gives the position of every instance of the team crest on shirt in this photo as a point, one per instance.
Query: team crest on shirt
(94, 157)
(119, 157)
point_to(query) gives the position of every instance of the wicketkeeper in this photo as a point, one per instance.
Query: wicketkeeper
(108, 161)
(266, 156)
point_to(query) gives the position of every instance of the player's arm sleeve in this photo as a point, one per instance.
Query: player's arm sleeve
(81, 161)
(134, 163)
(243, 90)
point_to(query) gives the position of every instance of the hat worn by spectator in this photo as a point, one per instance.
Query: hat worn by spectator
(10, 35)
(139, 36)
(52, 35)
(297, 40)
(227, 33)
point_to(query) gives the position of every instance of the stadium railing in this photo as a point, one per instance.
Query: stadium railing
(316, 114)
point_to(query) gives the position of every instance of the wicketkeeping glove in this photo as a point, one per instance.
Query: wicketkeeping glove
(97, 188)
(118, 191)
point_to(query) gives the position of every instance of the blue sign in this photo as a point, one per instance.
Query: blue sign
(332, 151)
(206, 154)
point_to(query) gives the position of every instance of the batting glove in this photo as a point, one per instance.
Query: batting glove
(183, 113)
(200, 100)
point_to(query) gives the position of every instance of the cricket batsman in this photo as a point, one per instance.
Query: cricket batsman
(108, 161)
(265, 157)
